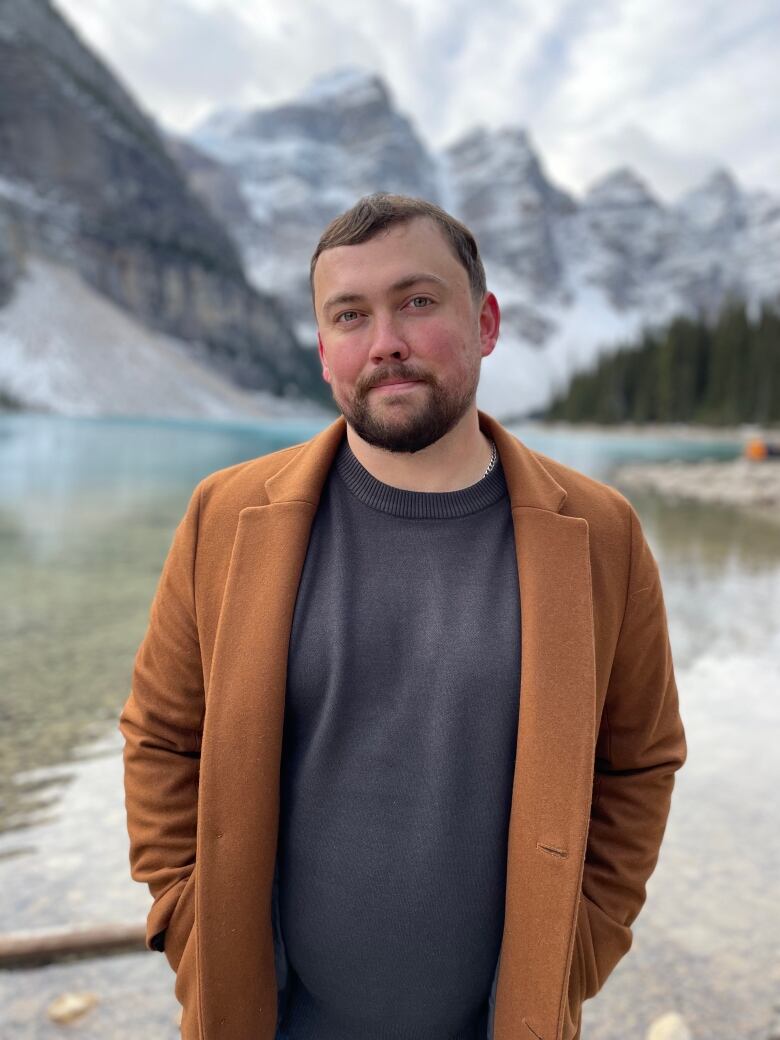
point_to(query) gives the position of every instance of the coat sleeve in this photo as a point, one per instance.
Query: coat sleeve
(640, 745)
(161, 723)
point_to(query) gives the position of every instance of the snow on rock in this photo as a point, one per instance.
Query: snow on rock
(542, 344)
(66, 348)
(715, 205)
(85, 180)
(499, 188)
(349, 86)
(620, 189)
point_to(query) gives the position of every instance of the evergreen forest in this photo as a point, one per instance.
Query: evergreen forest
(721, 373)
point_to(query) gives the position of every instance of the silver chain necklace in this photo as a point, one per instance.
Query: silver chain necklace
(493, 457)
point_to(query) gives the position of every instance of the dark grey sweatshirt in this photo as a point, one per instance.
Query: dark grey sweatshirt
(399, 748)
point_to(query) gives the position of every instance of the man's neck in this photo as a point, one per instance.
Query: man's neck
(455, 461)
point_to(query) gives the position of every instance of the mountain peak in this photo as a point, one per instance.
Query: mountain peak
(505, 158)
(221, 123)
(717, 203)
(620, 188)
(480, 139)
(349, 86)
(333, 93)
(722, 179)
(720, 183)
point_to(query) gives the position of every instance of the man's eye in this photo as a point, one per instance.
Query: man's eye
(418, 302)
(347, 316)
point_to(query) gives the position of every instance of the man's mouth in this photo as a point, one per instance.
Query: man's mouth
(396, 385)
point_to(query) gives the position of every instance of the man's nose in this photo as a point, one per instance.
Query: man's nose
(388, 341)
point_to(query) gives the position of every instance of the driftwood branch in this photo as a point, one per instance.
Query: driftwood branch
(35, 949)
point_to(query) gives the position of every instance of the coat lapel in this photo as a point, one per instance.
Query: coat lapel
(242, 744)
(553, 776)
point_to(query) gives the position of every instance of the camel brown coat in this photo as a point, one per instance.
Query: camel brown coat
(599, 738)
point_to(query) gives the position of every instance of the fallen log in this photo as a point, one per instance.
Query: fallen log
(37, 948)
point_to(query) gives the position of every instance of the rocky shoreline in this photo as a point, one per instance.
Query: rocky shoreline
(741, 483)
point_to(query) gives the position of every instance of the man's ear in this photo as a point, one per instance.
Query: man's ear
(323, 362)
(489, 323)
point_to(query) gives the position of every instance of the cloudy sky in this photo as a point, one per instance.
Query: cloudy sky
(669, 87)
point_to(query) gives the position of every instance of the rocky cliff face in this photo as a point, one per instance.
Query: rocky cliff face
(86, 178)
(12, 253)
(622, 233)
(499, 189)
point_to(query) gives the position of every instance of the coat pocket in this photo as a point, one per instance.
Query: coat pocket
(181, 922)
(603, 942)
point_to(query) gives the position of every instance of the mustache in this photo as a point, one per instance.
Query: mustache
(400, 372)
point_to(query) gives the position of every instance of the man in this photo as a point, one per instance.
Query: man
(403, 728)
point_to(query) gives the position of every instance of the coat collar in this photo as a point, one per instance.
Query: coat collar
(529, 484)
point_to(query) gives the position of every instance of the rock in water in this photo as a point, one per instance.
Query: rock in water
(70, 1006)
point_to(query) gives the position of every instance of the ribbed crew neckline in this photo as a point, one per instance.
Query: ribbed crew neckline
(418, 505)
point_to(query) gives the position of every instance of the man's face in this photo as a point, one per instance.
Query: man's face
(400, 336)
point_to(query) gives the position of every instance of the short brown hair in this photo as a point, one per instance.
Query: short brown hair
(375, 213)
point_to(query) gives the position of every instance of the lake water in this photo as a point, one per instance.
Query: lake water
(87, 511)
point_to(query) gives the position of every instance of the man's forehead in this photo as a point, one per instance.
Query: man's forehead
(395, 258)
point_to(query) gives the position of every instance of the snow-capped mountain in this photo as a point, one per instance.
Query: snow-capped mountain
(199, 249)
(574, 276)
(497, 186)
(300, 164)
(87, 183)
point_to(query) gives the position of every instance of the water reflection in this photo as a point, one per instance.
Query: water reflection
(87, 511)
(707, 535)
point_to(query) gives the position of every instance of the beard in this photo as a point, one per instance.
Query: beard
(410, 426)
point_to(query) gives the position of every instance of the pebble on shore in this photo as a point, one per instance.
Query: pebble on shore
(71, 1006)
(742, 483)
(669, 1027)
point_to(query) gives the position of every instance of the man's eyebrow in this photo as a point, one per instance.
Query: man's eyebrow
(415, 279)
(403, 283)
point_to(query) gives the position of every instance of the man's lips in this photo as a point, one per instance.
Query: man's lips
(400, 386)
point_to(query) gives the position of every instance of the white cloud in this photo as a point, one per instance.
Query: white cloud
(699, 80)
(670, 88)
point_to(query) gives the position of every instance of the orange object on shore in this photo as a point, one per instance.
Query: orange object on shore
(756, 449)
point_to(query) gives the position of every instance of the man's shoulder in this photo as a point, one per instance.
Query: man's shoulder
(243, 483)
(579, 486)
(607, 510)
(553, 484)
(615, 533)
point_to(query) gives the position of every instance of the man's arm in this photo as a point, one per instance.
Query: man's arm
(161, 722)
(640, 745)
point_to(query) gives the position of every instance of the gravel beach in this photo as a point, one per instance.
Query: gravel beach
(741, 483)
